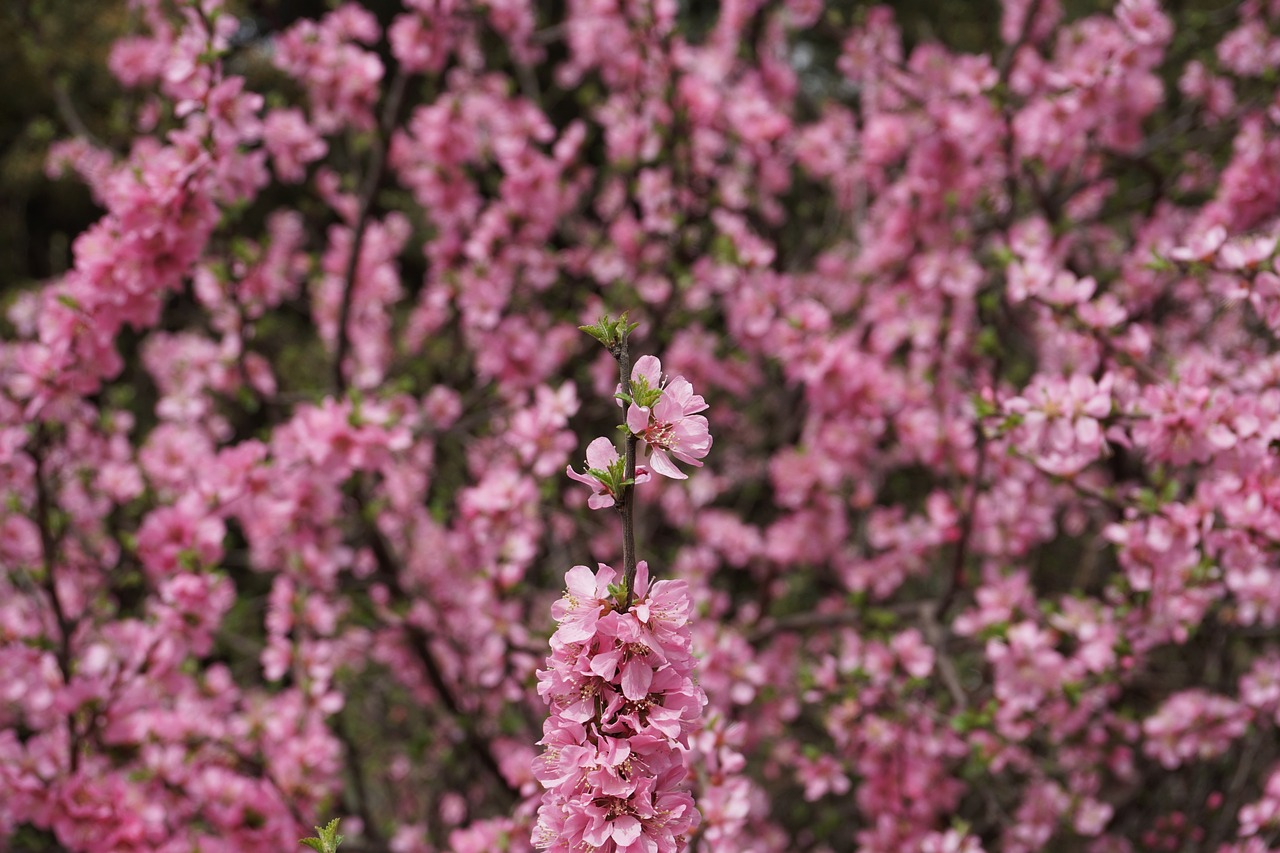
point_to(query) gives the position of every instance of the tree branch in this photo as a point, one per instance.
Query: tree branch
(369, 188)
(625, 502)
(48, 552)
(420, 643)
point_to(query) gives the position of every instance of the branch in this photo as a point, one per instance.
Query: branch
(372, 179)
(1118, 355)
(420, 642)
(67, 110)
(625, 501)
(937, 638)
(357, 778)
(956, 582)
(810, 620)
(48, 550)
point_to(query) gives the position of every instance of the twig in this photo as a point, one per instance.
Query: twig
(67, 110)
(48, 549)
(956, 581)
(1005, 65)
(357, 779)
(420, 643)
(372, 179)
(625, 502)
(810, 620)
(1141, 367)
(937, 638)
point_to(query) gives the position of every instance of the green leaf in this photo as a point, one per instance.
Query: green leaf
(328, 841)
(611, 331)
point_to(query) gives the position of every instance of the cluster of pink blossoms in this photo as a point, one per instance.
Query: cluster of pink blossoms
(619, 682)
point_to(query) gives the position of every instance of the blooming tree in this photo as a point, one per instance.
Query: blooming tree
(985, 557)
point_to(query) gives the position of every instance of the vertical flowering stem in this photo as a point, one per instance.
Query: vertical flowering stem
(619, 679)
(625, 506)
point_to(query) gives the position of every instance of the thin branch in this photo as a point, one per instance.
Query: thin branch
(67, 110)
(626, 501)
(1115, 353)
(420, 643)
(937, 638)
(369, 189)
(956, 581)
(48, 551)
(810, 620)
(1005, 64)
(354, 767)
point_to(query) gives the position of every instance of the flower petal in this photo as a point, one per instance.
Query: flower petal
(649, 368)
(637, 418)
(626, 829)
(601, 453)
(636, 678)
(664, 466)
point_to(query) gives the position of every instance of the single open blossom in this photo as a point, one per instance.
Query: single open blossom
(604, 473)
(669, 426)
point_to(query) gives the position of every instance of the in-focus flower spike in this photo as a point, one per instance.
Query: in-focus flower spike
(623, 705)
(666, 419)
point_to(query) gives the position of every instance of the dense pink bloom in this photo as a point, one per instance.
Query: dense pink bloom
(619, 685)
(990, 558)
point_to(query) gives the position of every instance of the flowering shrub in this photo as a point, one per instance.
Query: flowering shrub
(985, 556)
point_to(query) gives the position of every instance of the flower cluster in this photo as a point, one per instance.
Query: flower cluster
(664, 417)
(623, 705)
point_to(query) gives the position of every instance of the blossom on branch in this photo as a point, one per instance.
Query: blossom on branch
(665, 418)
(604, 473)
(619, 683)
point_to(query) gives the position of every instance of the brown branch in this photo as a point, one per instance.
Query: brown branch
(956, 580)
(625, 502)
(420, 642)
(1005, 64)
(48, 552)
(357, 779)
(810, 620)
(798, 622)
(937, 638)
(1143, 369)
(369, 188)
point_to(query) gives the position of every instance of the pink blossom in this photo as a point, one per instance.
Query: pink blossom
(670, 425)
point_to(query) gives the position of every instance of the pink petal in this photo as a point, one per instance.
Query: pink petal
(636, 678)
(637, 418)
(664, 466)
(649, 367)
(642, 580)
(601, 453)
(581, 582)
(600, 500)
(626, 829)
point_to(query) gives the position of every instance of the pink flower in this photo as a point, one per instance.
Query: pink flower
(623, 705)
(585, 600)
(604, 473)
(665, 418)
(292, 143)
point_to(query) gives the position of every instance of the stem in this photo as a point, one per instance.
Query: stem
(624, 503)
(372, 179)
(956, 582)
(420, 643)
(48, 550)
